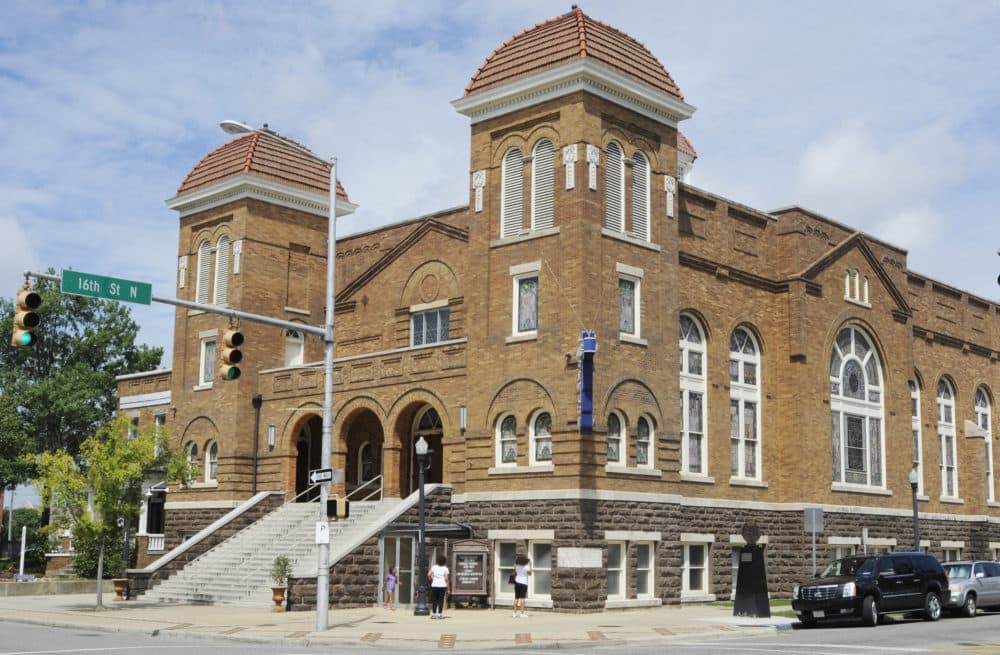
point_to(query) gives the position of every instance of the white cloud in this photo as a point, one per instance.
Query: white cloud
(16, 252)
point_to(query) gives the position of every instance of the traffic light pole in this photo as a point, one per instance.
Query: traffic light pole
(213, 309)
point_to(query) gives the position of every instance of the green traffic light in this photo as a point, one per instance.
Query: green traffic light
(232, 372)
(26, 339)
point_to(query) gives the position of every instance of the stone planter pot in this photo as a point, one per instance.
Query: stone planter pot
(278, 596)
(121, 584)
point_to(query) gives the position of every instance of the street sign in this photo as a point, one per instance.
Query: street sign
(326, 475)
(108, 288)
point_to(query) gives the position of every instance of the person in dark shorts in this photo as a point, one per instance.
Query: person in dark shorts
(522, 569)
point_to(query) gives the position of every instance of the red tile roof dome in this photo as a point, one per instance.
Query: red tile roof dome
(565, 38)
(267, 155)
(685, 146)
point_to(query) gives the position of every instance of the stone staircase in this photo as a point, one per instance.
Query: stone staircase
(238, 571)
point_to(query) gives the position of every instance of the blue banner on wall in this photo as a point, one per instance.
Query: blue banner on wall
(585, 359)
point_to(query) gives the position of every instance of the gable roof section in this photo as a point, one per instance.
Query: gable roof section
(858, 241)
(394, 253)
(574, 35)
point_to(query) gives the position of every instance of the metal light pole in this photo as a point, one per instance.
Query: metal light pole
(914, 479)
(323, 567)
(421, 608)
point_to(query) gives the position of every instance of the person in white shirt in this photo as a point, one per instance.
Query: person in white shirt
(438, 575)
(522, 569)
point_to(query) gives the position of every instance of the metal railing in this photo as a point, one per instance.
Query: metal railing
(376, 490)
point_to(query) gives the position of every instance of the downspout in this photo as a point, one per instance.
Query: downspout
(257, 401)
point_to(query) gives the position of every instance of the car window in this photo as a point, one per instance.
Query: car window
(848, 567)
(957, 571)
(978, 570)
(928, 564)
(903, 565)
(886, 566)
(993, 570)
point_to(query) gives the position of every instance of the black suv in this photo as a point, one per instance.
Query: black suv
(867, 586)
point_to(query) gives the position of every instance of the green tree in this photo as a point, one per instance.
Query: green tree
(15, 443)
(109, 473)
(63, 388)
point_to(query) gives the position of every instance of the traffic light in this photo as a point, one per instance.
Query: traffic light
(231, 355)
(26, 319)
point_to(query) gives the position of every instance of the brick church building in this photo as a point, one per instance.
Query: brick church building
(739, 364)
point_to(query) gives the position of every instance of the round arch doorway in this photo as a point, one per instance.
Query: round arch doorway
(426, 424)
(308, 451)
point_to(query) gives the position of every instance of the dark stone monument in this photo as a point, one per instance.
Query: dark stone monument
(751, 577)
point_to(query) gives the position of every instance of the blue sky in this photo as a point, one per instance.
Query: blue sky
(882, 115)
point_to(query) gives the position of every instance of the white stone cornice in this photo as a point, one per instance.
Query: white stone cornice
(578, 75)
(249, 186)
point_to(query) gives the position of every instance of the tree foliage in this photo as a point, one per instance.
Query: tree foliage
(63, 388)
(90, 493)
(15, 443)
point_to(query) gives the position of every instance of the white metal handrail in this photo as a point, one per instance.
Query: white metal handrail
(377, 491)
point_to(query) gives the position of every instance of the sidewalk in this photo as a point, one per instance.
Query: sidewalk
(462, 629)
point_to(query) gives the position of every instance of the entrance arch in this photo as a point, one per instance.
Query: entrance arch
(309, 449)
(363, 437)
(426, 424)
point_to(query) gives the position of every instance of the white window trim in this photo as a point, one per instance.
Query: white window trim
(687, 541)
(744, 393)
(505, 181)
(205, 337)
(520, 272)
(537, 190)
(622, 461)
(865, 409)
(209, 478)
(650, 464)
(984, 414)
(623, 570)
(947, 430)
(634, 275)
(499, 463)
(651, 572)
(694, 384)
(533, 437)
(916, 428)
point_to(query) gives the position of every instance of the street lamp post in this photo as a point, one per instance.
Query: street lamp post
(421, 607)
(914, 478)
(323, 566)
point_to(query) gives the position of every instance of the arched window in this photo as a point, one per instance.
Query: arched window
(192, 459)
(616, 444)
(640, 196)
(541, 438)
(946, 435)
(983, 420)
(694, 449)
(294, 348)
(643, 443)
(507, 441)
(847, 284)
(204, 271)
(221, 295)
(542, 185)
(511, 193)
(918, 437)
(212, 462)
(614, 210)
(744, 405)
(856, 408)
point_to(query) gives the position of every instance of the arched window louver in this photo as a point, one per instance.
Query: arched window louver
(204, 268)
(221, 271)
(542, 185)
(614, 210)
(640, 196)
(512, 192)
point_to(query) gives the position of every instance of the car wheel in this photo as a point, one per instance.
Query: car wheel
(932, 606)
(869, 611)
(969, 607)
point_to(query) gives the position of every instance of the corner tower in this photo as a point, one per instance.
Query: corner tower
(574, 164)
(253, 235)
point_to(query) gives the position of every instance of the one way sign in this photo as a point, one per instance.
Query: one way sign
(320, 475)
